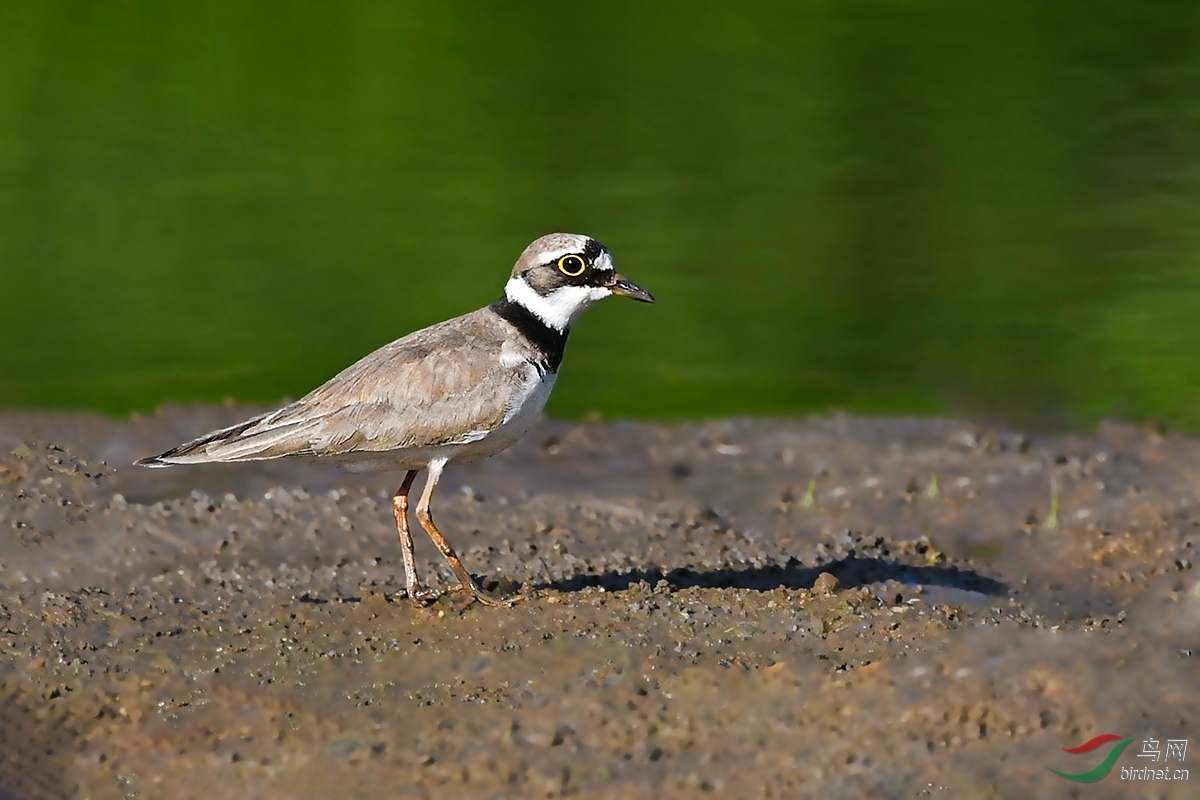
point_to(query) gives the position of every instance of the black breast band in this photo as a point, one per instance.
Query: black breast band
(548, 340)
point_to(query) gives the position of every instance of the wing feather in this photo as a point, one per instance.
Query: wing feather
(441, 385)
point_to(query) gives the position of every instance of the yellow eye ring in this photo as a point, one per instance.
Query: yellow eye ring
(571, 266)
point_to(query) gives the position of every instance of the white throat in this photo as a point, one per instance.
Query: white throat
(560, 308)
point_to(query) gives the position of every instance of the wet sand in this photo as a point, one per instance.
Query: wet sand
(837, 607)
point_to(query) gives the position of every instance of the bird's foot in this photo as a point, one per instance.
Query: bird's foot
(420, 598)
(495, 599)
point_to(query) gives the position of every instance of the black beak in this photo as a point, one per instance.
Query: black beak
(627, 288)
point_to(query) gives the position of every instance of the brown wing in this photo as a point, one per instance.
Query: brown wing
(440, 385)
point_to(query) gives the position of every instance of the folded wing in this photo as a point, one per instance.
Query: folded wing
(442, 385)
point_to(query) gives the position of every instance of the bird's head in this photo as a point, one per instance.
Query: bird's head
(560, 276)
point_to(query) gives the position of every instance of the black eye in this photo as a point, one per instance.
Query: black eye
(571, 266)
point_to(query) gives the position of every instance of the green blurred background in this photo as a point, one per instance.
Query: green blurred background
(989, 208)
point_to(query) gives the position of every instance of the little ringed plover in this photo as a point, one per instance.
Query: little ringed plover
(451, 393)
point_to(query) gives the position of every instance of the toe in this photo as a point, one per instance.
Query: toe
(491, 598)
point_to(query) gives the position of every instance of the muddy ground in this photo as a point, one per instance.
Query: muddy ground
(839, 608)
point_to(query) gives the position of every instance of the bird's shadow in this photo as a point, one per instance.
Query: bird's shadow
(851, 571)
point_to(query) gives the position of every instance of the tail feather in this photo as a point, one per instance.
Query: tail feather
(239, 442)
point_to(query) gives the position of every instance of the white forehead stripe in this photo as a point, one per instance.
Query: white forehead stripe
(558, 309)
(603, 262)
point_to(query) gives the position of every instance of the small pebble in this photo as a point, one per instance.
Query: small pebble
(826, 584)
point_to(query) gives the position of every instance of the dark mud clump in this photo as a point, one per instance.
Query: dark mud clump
(834, 608)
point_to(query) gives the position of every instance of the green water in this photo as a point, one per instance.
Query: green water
(988, 208)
